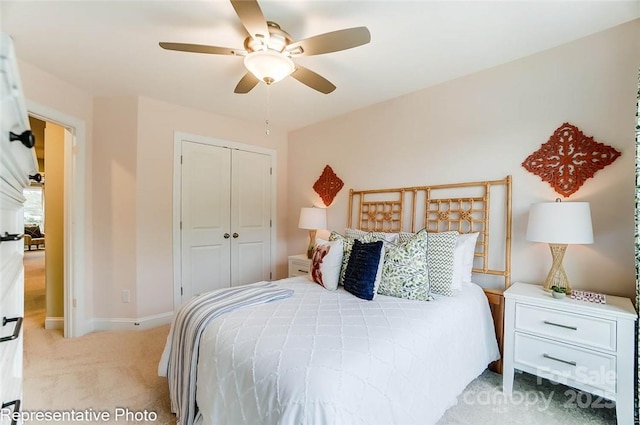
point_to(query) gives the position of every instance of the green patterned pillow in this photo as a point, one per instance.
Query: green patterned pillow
(440, 249)
(347, 244)
(405, 272)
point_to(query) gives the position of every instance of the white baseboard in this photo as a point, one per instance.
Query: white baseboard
(141, 323)
(54, 323)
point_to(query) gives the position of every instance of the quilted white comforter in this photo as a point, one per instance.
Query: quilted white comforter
(323, 357)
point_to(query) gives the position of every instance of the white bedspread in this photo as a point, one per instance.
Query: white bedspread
(180, 356)
(323, 357)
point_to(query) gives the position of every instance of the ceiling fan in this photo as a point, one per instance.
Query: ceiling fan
(269, 51)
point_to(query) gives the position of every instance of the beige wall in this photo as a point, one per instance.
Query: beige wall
(50, 92)
(115, 203)
(157, 123)
(482, 127)
(54, 218)
(133, 169)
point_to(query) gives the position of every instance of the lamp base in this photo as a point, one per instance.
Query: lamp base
(557, 276)
(312, 243)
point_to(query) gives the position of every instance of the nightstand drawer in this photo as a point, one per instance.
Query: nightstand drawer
(561, 362)
(297, 270)
(299, 265)
(567, 327)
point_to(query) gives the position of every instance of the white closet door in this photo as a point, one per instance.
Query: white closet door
(206, 185)
(250, 217)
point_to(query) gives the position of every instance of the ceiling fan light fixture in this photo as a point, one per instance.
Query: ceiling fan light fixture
(268, 50)
(269, 66)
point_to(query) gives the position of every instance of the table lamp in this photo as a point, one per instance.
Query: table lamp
(559, 224)
(312, 219)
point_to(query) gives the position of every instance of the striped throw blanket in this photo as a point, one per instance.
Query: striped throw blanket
(180, 357)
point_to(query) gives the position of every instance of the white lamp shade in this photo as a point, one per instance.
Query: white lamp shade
(313, 218)
(560, 223)
(269, 66)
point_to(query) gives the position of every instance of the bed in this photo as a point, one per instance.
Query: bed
(315, 356)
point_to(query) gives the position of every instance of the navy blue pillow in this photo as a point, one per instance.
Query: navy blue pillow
(362, 268)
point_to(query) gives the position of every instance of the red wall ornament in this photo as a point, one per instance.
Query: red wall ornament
(568, 159)
(328, 185)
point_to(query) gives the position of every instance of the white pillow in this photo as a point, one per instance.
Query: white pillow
(326, 263)
(463, 255)
(376, 284)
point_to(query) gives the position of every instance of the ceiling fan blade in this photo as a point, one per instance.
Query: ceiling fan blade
(200, 48)
(248, 82)
(331, 42)
(313, 80)
(251, 17)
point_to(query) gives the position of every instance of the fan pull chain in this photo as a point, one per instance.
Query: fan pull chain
(267, 130)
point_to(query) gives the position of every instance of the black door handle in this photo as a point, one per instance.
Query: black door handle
(26, 138)
(16, 330)
(16, 409)
(10, 237)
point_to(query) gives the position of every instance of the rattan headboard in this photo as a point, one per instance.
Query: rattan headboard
(465, 207)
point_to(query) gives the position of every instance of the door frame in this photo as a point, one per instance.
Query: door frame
(178, 138)
(75, 319)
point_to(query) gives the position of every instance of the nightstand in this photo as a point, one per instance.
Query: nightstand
(584, 345)
(299, 265)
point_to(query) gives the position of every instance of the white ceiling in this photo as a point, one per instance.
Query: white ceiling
(110, 48)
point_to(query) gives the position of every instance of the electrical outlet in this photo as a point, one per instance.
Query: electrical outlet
(126, 296)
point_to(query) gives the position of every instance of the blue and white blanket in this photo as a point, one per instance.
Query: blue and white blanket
(180, 357)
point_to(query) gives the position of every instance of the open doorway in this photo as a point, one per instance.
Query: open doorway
(34, 255)
(44, 229)
(76, 286)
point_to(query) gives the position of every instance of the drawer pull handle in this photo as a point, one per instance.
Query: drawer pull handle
(16, 409)
(569, 362)
(303, 271)
(10, 237)
(16, 331)
(26, 138)
(573, 328)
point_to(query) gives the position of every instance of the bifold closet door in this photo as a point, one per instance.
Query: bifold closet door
(250, 217)
(206, 214)
(226, 218)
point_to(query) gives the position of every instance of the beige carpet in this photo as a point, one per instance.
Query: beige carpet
(109, 370)
(100, 371)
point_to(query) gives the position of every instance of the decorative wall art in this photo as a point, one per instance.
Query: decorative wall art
(568, 159)
(328, 185)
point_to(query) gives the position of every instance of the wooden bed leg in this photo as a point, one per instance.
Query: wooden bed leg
(496, 303)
